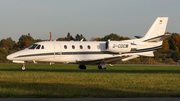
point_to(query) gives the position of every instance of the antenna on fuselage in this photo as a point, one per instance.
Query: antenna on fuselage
(50, 36)
(82, 39)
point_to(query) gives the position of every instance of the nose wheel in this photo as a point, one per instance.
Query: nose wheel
(23, 67)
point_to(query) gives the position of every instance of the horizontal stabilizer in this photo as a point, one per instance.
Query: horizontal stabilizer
(158, 38)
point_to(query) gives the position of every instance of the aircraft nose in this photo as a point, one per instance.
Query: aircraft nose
(10, 57)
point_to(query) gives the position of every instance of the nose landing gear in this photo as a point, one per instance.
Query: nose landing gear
(23, 67)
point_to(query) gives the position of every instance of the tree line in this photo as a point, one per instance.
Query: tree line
(168, 53)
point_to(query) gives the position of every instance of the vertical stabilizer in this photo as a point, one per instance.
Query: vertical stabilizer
(157, 29)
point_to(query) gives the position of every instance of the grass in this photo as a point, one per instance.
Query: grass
(64, 81)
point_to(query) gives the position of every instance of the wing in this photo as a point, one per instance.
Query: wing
(97, 61)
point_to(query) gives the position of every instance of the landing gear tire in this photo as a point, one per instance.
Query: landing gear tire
(100, 67)
(23, 67)
(82, 67)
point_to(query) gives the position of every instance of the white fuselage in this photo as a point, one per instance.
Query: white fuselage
(72, 51)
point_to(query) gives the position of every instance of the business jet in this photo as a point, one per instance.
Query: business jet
(94, 52)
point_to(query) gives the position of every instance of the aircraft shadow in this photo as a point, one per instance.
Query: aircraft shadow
(66, 90)
(95, 71)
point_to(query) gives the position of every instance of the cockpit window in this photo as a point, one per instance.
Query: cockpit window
(42, 47)
(38, 47)
(32, 46)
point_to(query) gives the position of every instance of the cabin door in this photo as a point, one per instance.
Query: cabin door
(57, 51)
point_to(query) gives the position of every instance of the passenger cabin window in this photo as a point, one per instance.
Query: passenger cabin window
(32, 46)
(81, 47)
(73, 47)
(65, 47)
(42, 47)
(38, 47)
(89, 47)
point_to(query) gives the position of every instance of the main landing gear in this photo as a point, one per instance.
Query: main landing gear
(23, 67)
(82, 67)
(102, 65)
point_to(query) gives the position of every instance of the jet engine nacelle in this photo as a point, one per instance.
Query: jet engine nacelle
(120, 47)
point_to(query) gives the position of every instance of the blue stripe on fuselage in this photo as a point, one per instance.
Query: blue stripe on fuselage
(90, 52)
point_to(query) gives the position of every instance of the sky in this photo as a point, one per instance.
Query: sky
(91, 18)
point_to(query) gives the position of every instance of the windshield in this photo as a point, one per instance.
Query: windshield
(32, 46)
